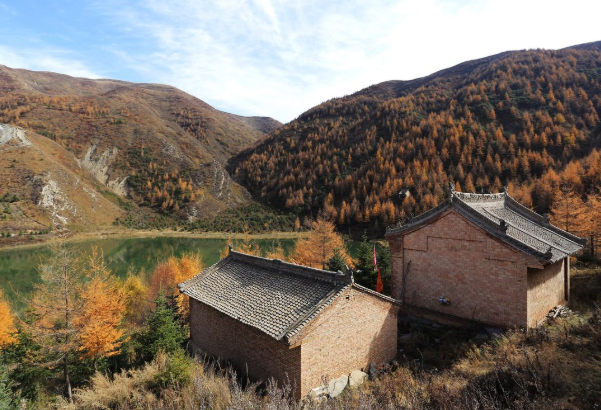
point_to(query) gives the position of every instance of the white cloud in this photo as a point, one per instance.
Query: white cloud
(45, 60)
(280, 58)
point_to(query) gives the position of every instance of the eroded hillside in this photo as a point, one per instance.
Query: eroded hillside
(154, 144)
(41, 188)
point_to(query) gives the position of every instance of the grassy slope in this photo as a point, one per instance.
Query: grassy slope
(140, 124)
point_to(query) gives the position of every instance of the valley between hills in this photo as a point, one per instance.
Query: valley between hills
(80, 155)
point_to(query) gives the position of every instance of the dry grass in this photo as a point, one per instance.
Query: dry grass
(557, 366)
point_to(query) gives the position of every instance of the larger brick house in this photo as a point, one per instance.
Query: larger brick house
(483, 258)
(273, 319)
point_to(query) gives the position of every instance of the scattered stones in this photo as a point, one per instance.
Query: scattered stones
(337, 386)
(373, 371)
(357, 378)
(559, 311)
(318, 392)
(493, 332)
(405, 338)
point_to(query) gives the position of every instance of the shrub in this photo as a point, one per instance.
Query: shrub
(175, 369)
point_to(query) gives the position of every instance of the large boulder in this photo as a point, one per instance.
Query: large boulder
(337, 386)
(357, 378)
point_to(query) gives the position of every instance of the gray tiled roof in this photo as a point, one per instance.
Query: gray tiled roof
(276, 297)
(508, 220)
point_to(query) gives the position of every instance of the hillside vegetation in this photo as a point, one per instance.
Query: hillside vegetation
(526, 119)
(153, 144)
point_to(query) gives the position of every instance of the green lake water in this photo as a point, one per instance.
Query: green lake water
(19, 267)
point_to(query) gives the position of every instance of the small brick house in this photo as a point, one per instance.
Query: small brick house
(483, 258)
(273, 319)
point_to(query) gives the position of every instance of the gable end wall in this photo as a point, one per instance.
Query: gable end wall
(356, 330)
(484, 279)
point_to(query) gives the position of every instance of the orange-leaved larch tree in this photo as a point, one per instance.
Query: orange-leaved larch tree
(101, 316)
(167, 275)
(320, 246)
(7, 323)
(567, 211)
(591, 221)
(56, 304)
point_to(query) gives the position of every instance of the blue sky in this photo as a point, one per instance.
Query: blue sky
(278, 58)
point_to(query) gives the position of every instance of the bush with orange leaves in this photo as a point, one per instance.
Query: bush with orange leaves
(320, 246)
(167, 275)
(7, 323)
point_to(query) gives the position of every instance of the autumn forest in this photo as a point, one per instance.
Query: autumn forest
(527, 120)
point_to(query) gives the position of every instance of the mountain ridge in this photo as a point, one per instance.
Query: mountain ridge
(517, 118)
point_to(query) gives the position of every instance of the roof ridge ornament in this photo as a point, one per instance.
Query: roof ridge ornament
(452, 191)
(503, 226)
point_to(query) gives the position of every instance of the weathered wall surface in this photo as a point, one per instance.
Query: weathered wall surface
(546, 289)
(484, 279)
(246, 347)
(358, 329)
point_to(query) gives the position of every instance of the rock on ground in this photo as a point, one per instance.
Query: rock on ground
(337, 386)
(318, 392)
(357, 378)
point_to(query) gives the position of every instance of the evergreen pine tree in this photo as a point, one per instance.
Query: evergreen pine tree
(336, 262)
(163, 331)
(365, 273)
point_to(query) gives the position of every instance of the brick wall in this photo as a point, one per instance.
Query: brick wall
(246, 347)
(358, 329)
(546, 289)
(485, 279)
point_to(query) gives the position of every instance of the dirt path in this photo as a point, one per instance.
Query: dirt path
(116, 233)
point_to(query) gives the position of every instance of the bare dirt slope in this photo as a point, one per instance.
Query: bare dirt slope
(41, 188)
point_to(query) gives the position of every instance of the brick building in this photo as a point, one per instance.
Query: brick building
(484, 258)
(279, 320)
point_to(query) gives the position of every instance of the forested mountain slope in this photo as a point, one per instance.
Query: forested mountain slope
(153, 144)
(527, 119)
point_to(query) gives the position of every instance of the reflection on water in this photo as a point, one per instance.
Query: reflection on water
(19, 268)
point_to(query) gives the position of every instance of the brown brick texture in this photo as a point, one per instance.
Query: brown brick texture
(546, 289)
(485, 279)
(356, 330)
(252, 352)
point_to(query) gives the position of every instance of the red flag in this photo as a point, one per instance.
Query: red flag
(379, 284)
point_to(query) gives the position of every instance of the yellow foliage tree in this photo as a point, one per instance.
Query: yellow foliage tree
(7, 323)
(319, 247)
(167, 275)
(103, 309)
(134, 290)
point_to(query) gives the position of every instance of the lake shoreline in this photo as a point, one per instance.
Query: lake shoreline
(108, 233)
